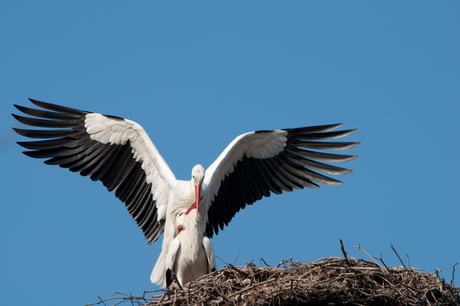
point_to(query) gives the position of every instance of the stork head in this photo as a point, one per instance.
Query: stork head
(198, 175)
(180, 219)
(197, 180)
(180, 228)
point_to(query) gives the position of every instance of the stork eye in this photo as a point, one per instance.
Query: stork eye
(180, 214)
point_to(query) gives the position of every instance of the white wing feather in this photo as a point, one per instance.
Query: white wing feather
(174, 248)
(210, 255)
(118, 131)
(252, 144)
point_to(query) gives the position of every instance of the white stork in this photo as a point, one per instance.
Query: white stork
(184, 259)
(119, 153)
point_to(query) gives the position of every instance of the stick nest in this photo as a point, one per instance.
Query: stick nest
(327, 281)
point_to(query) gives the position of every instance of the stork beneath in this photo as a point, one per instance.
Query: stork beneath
(191, 253)
(119, 153)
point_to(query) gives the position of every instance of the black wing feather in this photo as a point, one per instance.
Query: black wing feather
(293, 168)
(67, 144)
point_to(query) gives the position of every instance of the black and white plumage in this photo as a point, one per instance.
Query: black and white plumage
(119, 153)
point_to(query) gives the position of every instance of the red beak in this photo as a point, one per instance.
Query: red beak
(197, 198)
(197, 201)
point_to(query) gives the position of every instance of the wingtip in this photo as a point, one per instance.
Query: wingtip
(333, 126)
(331, 182)
(41, 103)
(349, 170)
(34, 101)
(26, 153)
(17, 117)
(355, 143)
(56, 107)
(351, 158)
(345, 133)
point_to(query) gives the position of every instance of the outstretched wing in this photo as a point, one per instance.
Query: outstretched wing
(258, 163)
(113, 150)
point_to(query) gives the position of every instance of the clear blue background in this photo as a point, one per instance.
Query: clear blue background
(196, 74)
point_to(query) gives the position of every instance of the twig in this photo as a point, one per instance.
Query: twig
(101, 301)
(236, 258)
(123, 299)
(359, 247)
(282, 262)
(437, 272)
(242, 273)
(221, 260)
(220, 293)
(383, 263)
(261, 259)
(131, 299)
(163, 297)
(250, 287)
(177, 281)
(398, 256)
(408, 260)
(453, 272)
(344, 253)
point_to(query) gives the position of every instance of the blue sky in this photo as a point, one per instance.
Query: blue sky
(196, 74)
